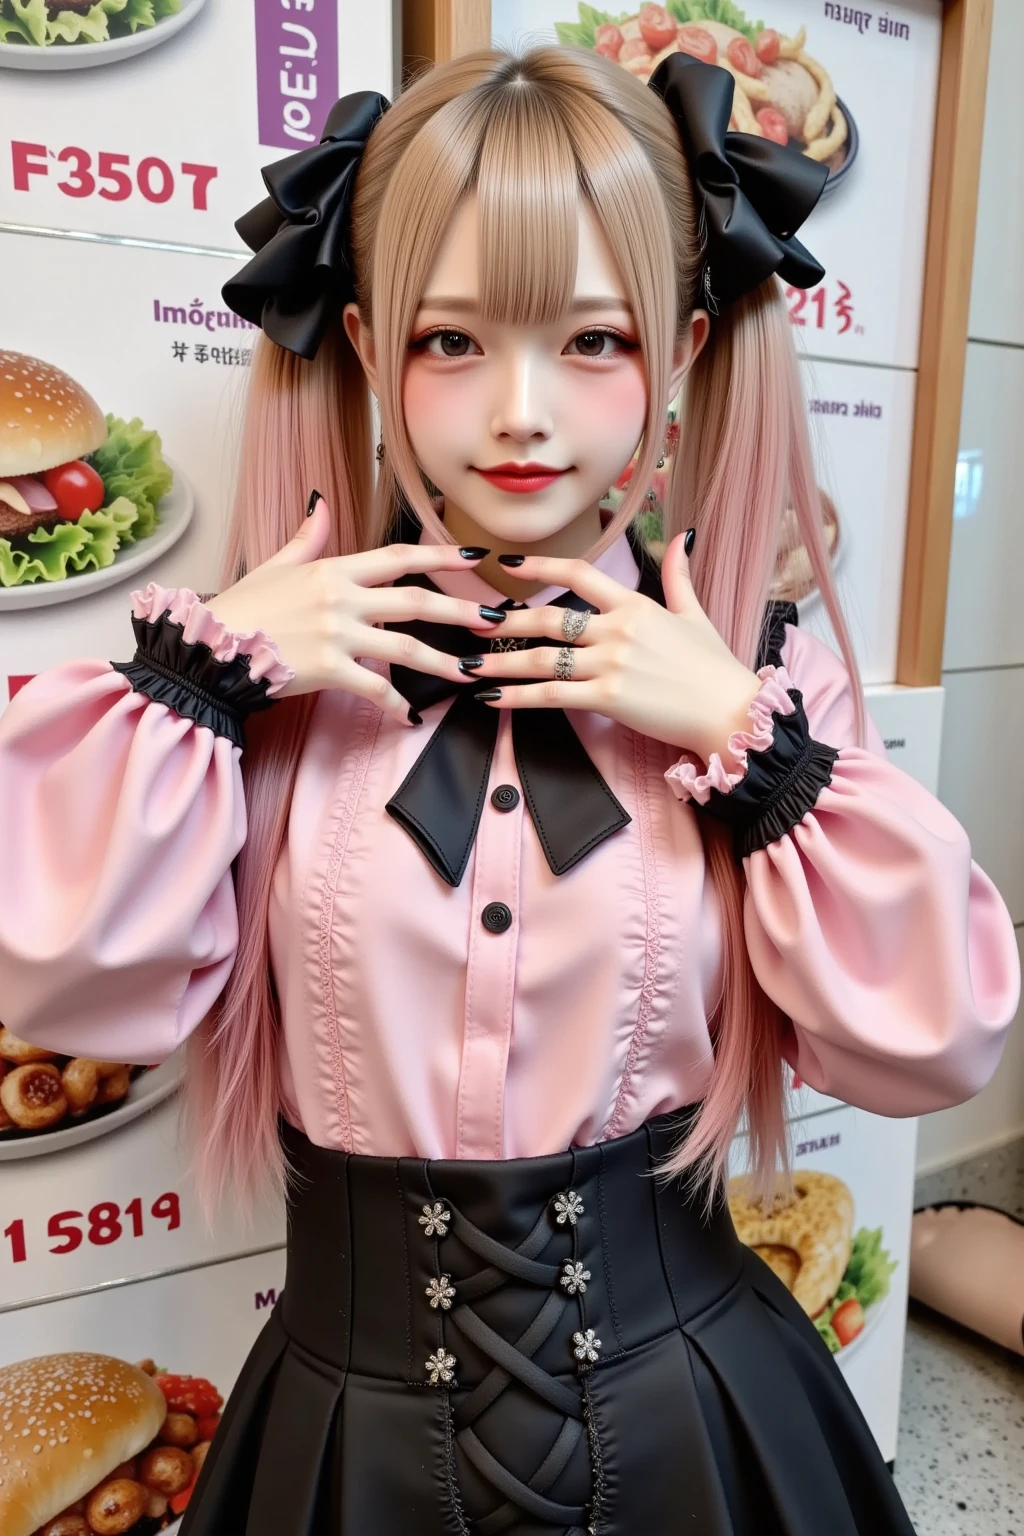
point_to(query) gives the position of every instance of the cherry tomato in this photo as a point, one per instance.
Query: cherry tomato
(657, 28)
(768, 46)
(848, 1320)
(773, 125)
(608, 40)
(698, 42)
(76, 488)
(189, 1394)
(635, 48)
(742, 57)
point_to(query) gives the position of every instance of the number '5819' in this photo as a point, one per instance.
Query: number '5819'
(102, 1224)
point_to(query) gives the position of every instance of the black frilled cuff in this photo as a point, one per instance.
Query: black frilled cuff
(781, 784)
(209, 680)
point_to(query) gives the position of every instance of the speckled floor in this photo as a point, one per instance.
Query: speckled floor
(960, 1462)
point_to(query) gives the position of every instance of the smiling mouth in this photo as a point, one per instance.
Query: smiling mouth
(522, 477)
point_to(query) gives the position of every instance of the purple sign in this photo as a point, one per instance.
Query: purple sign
(296, 69)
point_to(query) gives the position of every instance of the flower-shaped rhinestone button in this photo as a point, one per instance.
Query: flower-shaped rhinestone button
(568, 1208)
(435, 1218)
(441, 1367)
(586, 1345)
(574, 1277)
(441, 1292)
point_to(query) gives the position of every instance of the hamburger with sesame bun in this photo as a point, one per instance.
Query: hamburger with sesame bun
(75, 485)
(93, 1446)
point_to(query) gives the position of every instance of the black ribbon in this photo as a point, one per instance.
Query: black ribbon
(441, 799)
(756, 193)
(302, 274)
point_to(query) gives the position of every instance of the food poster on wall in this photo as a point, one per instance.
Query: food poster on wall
(157, 365)
(109, 1401)
(153, 118)
(853, 86)
(840, 1244)
(105, 1192)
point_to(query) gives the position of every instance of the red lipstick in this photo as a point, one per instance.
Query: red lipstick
(522, 477)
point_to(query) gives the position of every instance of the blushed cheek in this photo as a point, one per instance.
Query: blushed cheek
(611, 414)
(437, 411)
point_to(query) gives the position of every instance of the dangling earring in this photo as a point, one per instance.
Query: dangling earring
(380, 452)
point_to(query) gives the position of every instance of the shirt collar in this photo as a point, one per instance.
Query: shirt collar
(616, 561)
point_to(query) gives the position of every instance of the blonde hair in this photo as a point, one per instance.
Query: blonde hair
(529, 135)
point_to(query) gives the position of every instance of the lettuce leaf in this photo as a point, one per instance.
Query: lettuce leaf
(27, 20)
(582, 32)
(23, 21)
(69, 548)
(867, 1277)
(131, 464)
(870, 1268)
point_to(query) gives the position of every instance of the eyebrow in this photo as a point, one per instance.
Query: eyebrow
(470, 306)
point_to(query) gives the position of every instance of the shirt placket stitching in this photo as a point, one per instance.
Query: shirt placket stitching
(497, 856)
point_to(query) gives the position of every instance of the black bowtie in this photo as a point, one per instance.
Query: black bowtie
(441, 799)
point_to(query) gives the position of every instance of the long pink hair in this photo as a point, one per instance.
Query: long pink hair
(529, 135)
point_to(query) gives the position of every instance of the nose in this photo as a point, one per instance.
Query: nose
(522, 410)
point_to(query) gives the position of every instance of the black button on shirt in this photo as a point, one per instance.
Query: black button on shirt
(505, 797)
(496, 917)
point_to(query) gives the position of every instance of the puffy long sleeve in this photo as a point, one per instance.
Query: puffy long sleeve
(867, 921)
(125, 810)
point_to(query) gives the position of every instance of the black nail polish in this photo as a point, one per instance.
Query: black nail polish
(511, 559)
(688, 541)
(314, 497)
(496, 615)
(473, 552)
(488, 696)
(415, 716)
(470, 663)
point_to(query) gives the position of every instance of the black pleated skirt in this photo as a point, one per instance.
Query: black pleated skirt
(550, 1346)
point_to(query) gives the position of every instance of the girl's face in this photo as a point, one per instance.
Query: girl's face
(523, 429)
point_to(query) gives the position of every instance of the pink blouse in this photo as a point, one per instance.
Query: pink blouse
(410, 1027)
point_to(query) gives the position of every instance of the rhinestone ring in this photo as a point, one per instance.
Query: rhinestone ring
(563, 663)
(574, 622)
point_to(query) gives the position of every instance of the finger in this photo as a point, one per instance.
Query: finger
(379, 565)
(578, 575)
(367, 683)
(386, 645)
(399, 605)
(675, 573)
(545, 623)
(308, 542)
(552, 695)
(539, 662)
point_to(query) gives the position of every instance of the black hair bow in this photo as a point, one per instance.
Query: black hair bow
(302, 273)
(756, 193)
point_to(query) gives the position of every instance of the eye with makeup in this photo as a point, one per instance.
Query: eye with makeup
(444, 342)
(601, 344)
(596, 343)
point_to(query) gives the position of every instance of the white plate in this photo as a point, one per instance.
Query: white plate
(176, 510)
(147, 1090)
(89, 55)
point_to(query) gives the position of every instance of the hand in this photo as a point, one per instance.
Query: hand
(321, 613)
(665, 672)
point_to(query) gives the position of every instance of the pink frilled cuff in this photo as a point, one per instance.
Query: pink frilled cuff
(780, 769)
(190, 661)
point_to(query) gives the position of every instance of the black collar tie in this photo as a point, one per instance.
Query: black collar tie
(441, 799)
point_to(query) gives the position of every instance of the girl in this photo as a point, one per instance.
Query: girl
(538, 864)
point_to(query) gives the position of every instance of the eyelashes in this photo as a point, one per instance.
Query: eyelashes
(455, 336)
